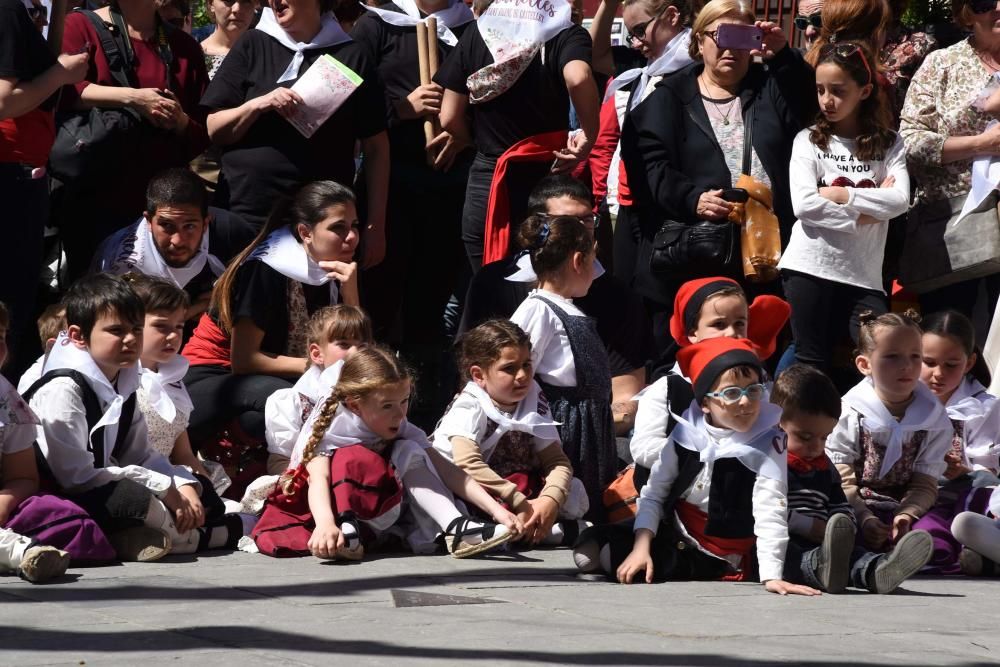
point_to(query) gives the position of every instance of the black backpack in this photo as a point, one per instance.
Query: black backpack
(92, 405)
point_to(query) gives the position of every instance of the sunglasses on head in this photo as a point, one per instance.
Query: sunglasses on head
(982, 6)
(814, 20)
(846, 51)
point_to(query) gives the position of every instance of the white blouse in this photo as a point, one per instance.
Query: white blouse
(551, 354)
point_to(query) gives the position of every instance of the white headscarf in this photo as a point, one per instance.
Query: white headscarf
(514, 31)
(285, 254)
(923, 413)
(165, 390)
(134, 249)
(457, 13)
(674, 57)
(761, 449)
(330, 34)
(65, 354)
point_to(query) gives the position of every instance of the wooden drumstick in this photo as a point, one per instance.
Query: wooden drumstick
(433, 61)
(423, 62)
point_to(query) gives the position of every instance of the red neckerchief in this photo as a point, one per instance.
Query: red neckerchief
(804, 466)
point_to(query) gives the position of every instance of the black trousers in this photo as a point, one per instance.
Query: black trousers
(819, 309)
(626, 244)
(219, 396)
(521, 180)
(26, 212)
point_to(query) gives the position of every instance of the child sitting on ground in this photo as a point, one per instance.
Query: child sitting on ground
(50, 323)
(334, 332)
(354, 460)
(95, 442)
(890, 443)
(821, 546)
(716, 495)
(500, 431)
(162, 396)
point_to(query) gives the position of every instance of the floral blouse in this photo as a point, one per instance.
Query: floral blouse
(939, 105)
(901, 57)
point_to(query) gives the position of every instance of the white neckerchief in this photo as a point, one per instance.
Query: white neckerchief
(514, 31)
(286, 255)
(13, 408)
(345, 429)
(531, 416)
(65, 354)
(165, 390)
(674, 57)
(135, 250)
(330, 34)
(761, 449)
(526, 273)
(316, 382)
(923, 413)
(969, 401)
(457, 13)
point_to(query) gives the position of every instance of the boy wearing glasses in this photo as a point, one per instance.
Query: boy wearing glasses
(821, 524)
(714, 507)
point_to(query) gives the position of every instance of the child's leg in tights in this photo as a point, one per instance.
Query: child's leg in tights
(215, 536)
(979, 533)
(12, 548)
(429, 492)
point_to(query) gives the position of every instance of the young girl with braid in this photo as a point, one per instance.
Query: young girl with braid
(356, 460)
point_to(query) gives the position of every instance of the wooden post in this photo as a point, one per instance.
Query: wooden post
(423, 61)
(433, 61)
(57, 22)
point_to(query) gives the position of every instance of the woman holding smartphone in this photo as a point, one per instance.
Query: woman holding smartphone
(687, 136)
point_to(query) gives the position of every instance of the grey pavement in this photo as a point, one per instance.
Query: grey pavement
(511, 609)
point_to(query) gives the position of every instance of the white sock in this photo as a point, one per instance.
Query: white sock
(431, 495)
(979, 533)
(555, 536)
(12, 548)
(351, 536)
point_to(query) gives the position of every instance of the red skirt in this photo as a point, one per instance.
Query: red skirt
(695, 520)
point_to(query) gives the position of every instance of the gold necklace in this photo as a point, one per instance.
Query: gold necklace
(718, 108)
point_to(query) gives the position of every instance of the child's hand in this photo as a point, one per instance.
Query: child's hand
(874, 533)
(524, 513)
(889, 181)
(509, 519)
(784, 588)
(325, 540)
(190, 494)
(956, 466)
(901, 525)
(544, 514)
(636, 562)
(836, 194)
(186, 515)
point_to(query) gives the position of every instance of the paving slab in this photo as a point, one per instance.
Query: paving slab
(513, 609)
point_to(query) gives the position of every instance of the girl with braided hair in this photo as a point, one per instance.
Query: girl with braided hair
(356, 460)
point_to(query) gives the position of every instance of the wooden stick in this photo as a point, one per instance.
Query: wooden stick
(433, 61)
(423, 61)
(57, 22)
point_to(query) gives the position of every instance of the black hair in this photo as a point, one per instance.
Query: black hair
(955, 325)
(99, 294)
(158, 295)
(176, 187)
(551, 241)
(804, 389)
(553, 187)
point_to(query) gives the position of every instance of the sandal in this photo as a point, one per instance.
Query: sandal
(493, 535)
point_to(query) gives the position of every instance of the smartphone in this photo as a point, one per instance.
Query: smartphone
(735, 195)
(740, 37)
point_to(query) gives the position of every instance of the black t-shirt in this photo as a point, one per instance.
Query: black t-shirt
(23, 51)
(621, 318)
(394, 49)
(537, 102)
(261, 294)
(273, 158)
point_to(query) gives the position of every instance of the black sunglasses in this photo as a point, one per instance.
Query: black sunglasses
(814, 20)
(37, 13)
(637, 32)
(982, 6)
(845, 51)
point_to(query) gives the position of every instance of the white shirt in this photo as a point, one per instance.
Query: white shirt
(979, 411)
(827, 241)
(287, 409)
(551, 354)
(31, 376)
(769, 507)
(650, 435)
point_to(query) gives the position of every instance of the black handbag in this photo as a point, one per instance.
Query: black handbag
(94, 143)
(703, 248)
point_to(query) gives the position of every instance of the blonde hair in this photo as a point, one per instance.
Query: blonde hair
(870, 324)
(340, 322)
(712, 12)
(368, 370)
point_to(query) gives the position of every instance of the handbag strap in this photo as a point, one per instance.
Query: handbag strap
(119, 61)
(748, 139)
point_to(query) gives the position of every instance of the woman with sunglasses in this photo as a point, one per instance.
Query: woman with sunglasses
(848, 179)
(683, 146)
(231, 18)
(944, 131)
(660, 30)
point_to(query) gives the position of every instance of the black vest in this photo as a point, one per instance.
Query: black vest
(730, 497)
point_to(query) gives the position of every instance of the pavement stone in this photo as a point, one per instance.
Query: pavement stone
(247, 610)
